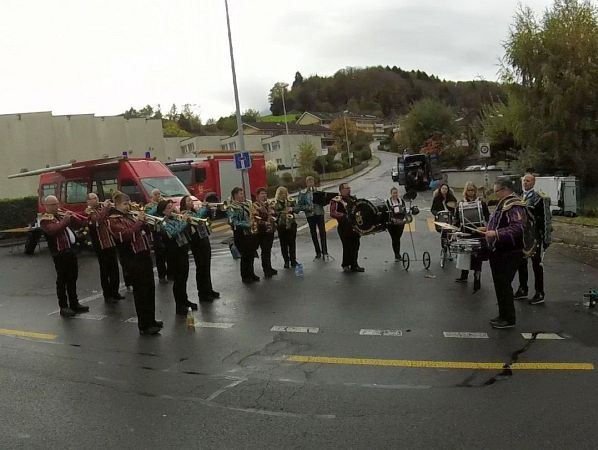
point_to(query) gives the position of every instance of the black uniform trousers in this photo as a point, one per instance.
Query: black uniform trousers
(202, 255)
(141, 272)
(396, 231)
(126, 274)
(316, 223)
(504, 265)
(67, 272)
(178, 260)
(288, 243)
(161, 257)
(350, 241)
(265, 241)
(245, 243)
(538, 272)
(109, 276)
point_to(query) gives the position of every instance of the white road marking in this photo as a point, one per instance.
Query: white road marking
(310, 330)
(225, 388)
(465, 335)
(90, 316)
(213, 325)
(369, 332)
(543, 336)
(131, 320)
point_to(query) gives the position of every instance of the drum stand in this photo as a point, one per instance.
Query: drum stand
(425, 257)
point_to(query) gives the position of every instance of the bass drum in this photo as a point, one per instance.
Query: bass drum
(369, 216)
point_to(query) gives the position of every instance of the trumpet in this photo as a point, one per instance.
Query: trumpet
(63, 212)
(222, 206)
(190, 219)
(150, 220)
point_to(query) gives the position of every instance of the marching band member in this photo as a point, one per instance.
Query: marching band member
(315, 217)
(159, 247)
(265, 218)
(104, 247)
(443, 200)
(177, 251)
(396, 207)
(133, 243)
(61, 241)
(239, 215)
(200, 248)
(286, 226)
(339, 209)
(535, 203)
(470, 194)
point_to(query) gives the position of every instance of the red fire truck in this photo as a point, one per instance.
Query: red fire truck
(136, 177)
(212, 178)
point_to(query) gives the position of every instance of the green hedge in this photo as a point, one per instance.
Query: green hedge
(17, 212)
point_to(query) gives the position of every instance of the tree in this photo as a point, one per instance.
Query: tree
(298, 80)
(275, 98)
(306, 158)
(427, 118)
(551, 68)
(172, 114)
(338, 129)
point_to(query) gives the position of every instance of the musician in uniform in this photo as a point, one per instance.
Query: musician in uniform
(470, 194)
(164, 274)
(176, 242)
(239, 216)
(132, 238)
(340, 206)
(265, 224)
(61, 242)
(314, 213)
(505, 241)
(396, 211)
(535, 203)
(104, 247)
(199, 237)
(286, 225)
(443, 200)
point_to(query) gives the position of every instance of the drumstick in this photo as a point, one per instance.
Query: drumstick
(475, 230)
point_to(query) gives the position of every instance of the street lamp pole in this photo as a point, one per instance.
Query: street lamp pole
(240, 134)
(347, 137)
(286, 125)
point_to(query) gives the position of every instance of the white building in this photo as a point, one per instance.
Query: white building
(35, 140)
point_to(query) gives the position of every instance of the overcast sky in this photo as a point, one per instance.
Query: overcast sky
(104, 56)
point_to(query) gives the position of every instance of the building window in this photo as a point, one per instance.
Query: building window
(266, 147)
(278, 161)
(275, 146)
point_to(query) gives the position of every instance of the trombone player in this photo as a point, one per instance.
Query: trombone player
(61, 242)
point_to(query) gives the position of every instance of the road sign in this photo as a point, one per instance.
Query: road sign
(484, 148)
(242, 160)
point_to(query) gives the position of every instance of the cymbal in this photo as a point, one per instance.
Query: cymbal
(446, 226)
(451, 204)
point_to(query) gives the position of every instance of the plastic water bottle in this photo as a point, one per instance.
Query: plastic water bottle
(299, 270)
(190, 318)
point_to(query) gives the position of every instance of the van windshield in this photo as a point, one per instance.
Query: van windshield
(169, 186)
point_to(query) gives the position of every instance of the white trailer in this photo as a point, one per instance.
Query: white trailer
(564, 193)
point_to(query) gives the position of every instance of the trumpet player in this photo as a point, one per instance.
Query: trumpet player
(199, 232)
(264, 225)
(174, 233)
(164, 272)
(104, 247)
(286, 225)
(240, 214)
(132, 238)
(61, 242)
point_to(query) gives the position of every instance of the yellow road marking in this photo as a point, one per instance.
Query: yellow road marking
(431, 226)
(332, 223)
(218, 226)
(410, 226)
(29, 334)
(437, 364)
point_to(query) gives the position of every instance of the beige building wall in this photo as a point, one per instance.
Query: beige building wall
(197, 144)
(253, 143)
(284, 150)
(36, 140)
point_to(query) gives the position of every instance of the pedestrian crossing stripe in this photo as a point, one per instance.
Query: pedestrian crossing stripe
(431, 226)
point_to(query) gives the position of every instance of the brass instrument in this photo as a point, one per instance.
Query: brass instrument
(61, 213)
(150, 220)
(222, 206)
(192, 220)
(253, 218)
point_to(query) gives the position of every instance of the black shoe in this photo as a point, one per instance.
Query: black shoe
(163, 280)
(521, 294)
(357, 269)
(110, 300)
(346, 268)
(461, 280)
(495, 320)
(205, 299)
(67, 312)
(192, 305)
(398, 258)
(537, 299)
(294, 263)
(270, 273)
(117, 296)
(159, 323)
(214, 294)
(287, 265)
(477, 285)
(150, 331)
(80, 308)
(503, 324)
(255, 278)
(318, 256)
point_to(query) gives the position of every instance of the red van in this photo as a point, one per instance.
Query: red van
(136, 177)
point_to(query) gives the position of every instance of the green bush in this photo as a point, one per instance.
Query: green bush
(272, 179)
(17, 212)
(286, 178)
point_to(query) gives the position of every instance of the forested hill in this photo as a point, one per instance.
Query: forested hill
(382, 91)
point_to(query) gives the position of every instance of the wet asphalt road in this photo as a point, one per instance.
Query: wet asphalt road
(240, 380)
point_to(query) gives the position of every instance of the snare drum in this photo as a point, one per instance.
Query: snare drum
(464, 248)
(471, 214)
(444, 217)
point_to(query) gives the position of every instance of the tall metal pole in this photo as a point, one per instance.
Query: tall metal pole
(347, 137)
(286, 125)
(238, 108)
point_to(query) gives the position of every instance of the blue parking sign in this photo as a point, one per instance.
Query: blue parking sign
(242, 160)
